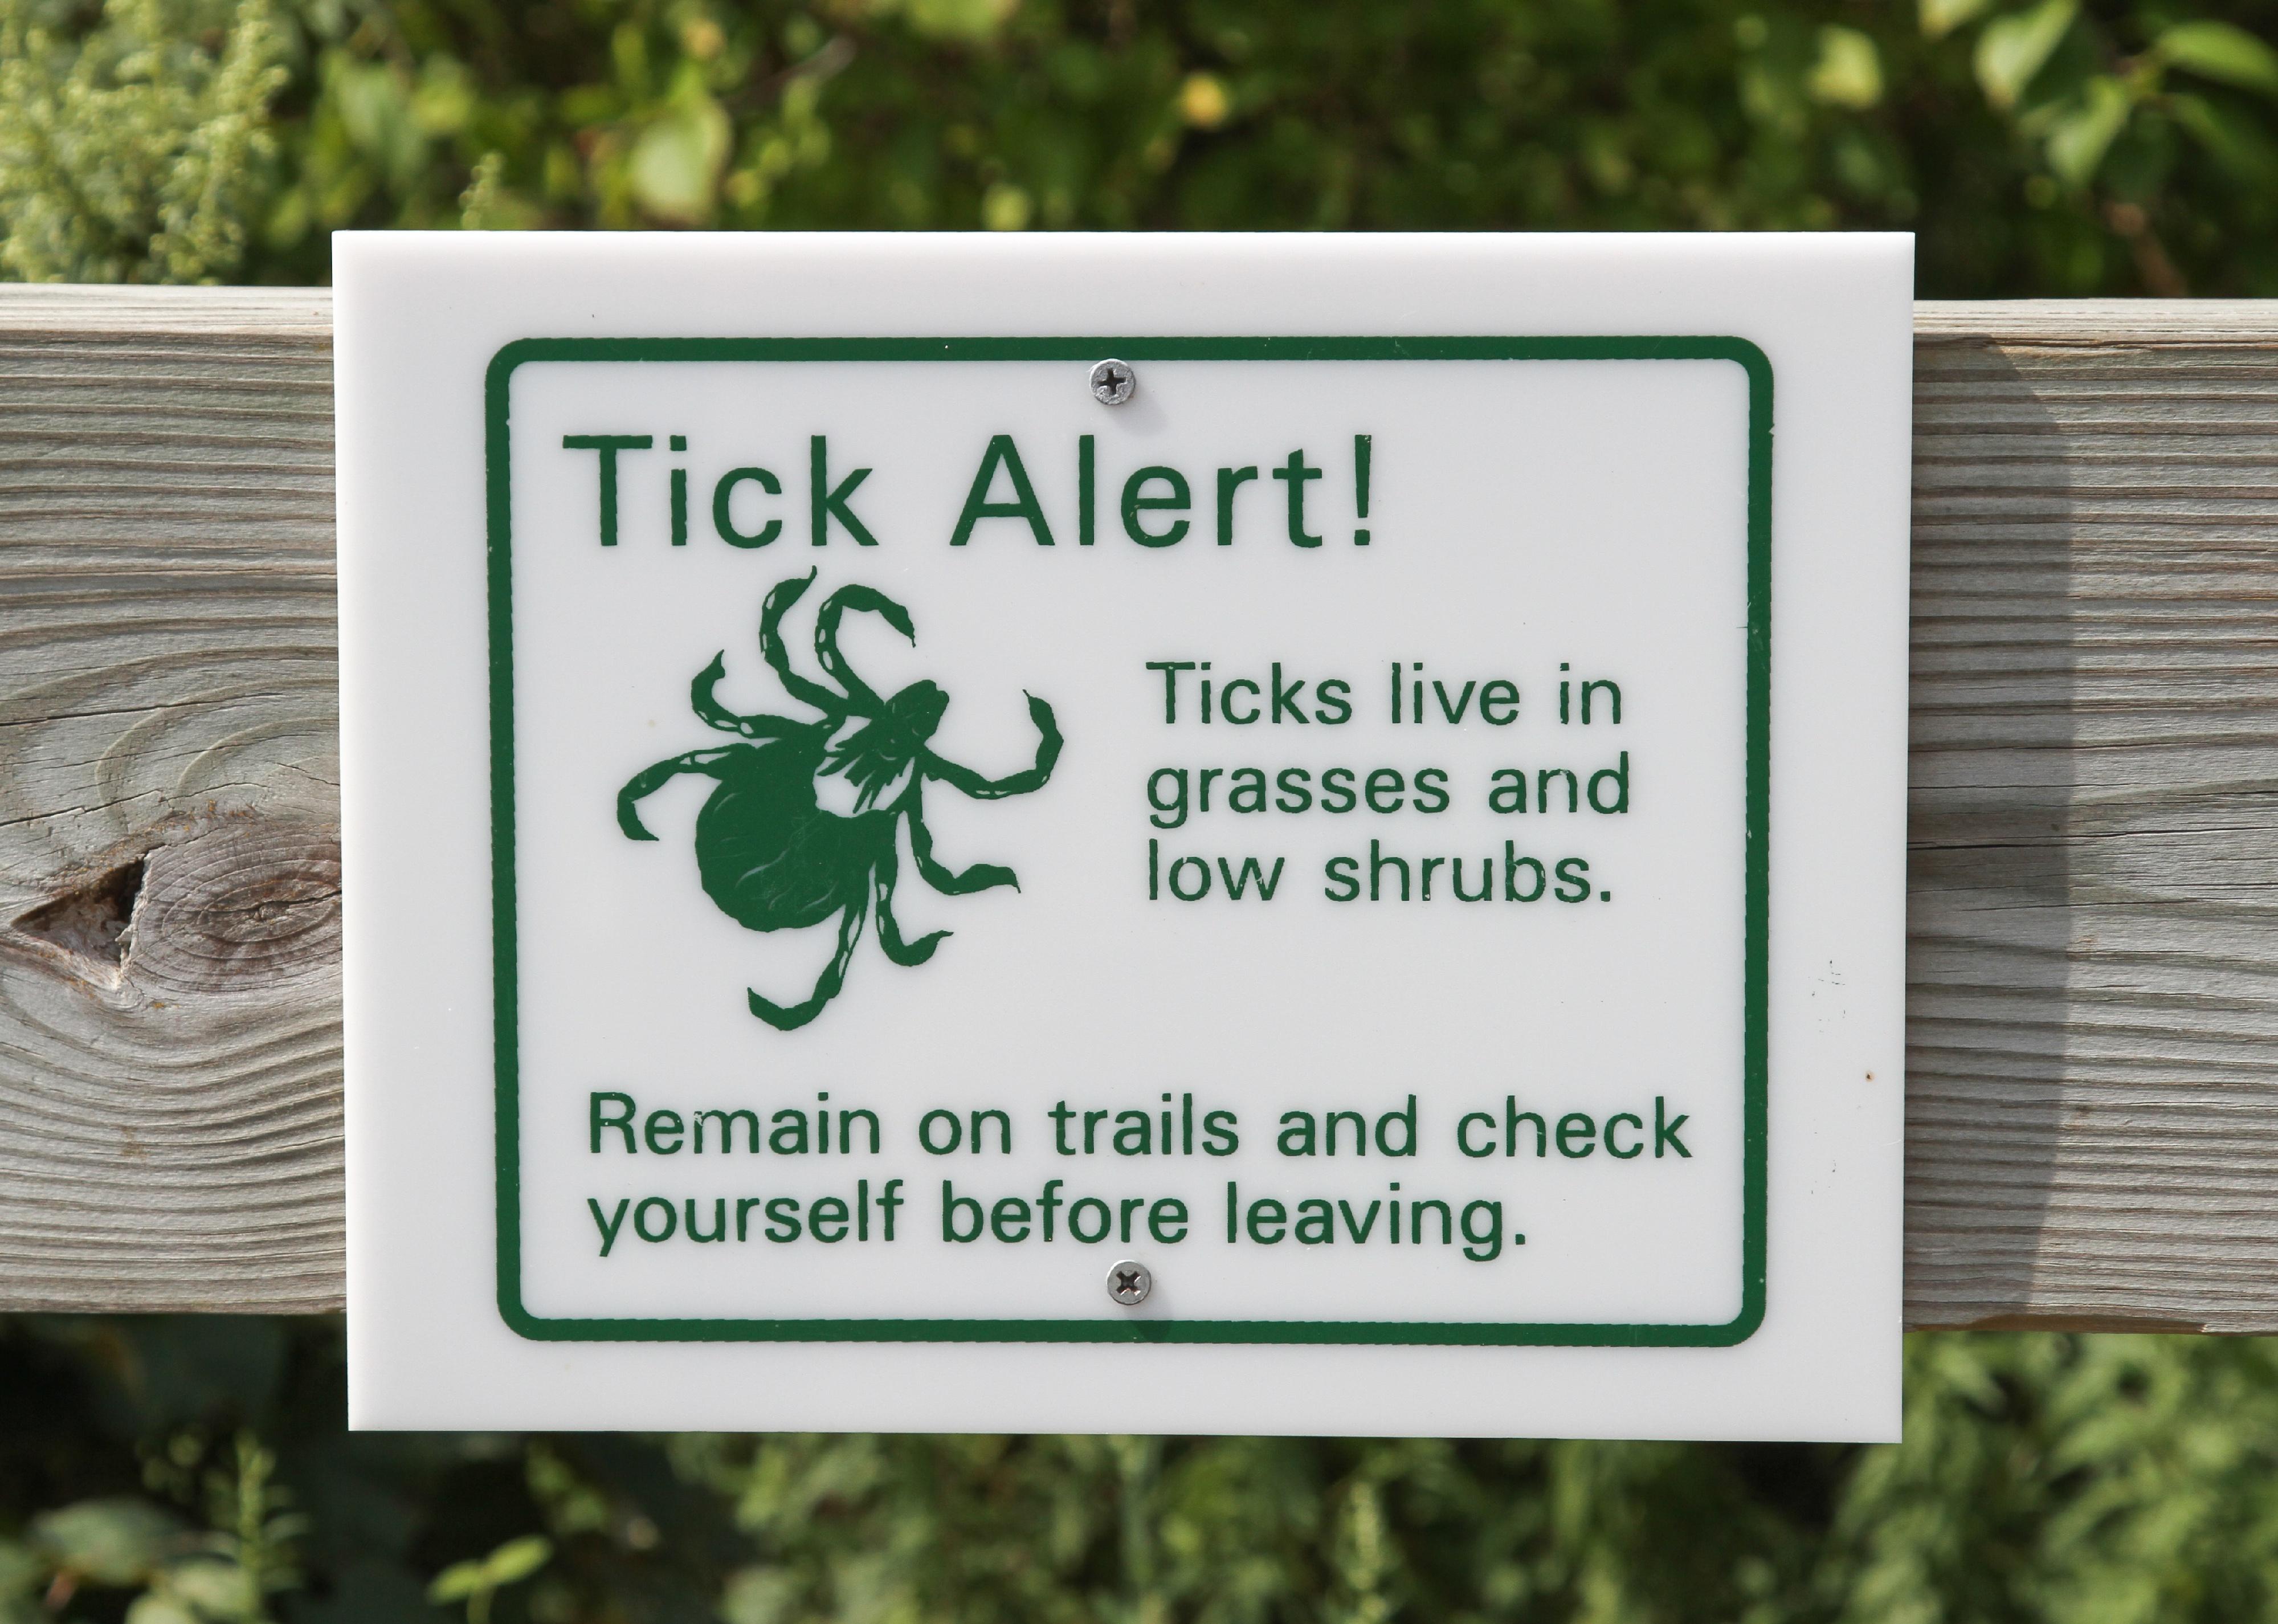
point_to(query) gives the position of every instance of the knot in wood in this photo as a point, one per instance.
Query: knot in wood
(241, 905)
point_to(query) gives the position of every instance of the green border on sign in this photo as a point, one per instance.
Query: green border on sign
(499, 487)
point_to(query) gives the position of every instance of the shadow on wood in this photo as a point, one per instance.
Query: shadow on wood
(2093, 1120)
(1989, 878)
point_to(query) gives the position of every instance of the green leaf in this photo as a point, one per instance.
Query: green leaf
(2080, 135)
(1849, 72)
(2241, 145)
(2216, 50)
(375, 108)
(675, 167)
(213, 1589)
(759, 1595)
(1006, 208)
(157, 1607)
(1940, 17)
(510, 1563)
(2014, 48)
(115, 1542)
(516, 1560)
(21, 1568)
(456, 1582)
(960, 19)
(447, 97)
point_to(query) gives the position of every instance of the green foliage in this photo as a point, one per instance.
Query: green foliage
(129, 150)
(2038, 146)
(2133, 114)
(224, 1575)
(476, 1582)
(193, 1471)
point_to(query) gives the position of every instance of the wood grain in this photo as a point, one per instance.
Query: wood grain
(2092, 1116)
(170, 1053)
(2092, 1007)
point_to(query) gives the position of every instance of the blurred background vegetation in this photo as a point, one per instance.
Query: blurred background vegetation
(194, 1471)
(2039, 147)
(164, 1471)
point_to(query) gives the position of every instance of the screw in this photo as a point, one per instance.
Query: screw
(1129, 1283)
(1112, 383)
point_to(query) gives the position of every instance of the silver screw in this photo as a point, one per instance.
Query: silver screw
(1112, 383)
(1128, 1283)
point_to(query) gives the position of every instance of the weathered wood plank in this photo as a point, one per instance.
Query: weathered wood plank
(170, 1053)
(2092, 1097)
(2094, 997)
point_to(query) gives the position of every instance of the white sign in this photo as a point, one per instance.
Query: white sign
(1184, 834)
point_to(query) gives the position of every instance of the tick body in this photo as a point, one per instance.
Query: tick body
(805, 823)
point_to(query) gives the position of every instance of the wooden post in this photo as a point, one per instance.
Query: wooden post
(2092, 1118)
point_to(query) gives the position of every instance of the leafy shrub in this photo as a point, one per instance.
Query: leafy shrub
(131, 150)
(2039, 147)
(193, 1471)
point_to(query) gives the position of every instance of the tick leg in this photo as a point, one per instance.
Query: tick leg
(825, 640)
(786, 1018)
(1048, 754)
(716, 715)
(980, 877)
(651, 779)
(771, 648)
(890, 932)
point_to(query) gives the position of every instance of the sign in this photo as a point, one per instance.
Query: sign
(1184, 834)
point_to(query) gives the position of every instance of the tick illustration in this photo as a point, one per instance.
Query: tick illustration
(805, 821)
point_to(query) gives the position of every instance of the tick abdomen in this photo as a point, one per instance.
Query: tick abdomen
(768, 855)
